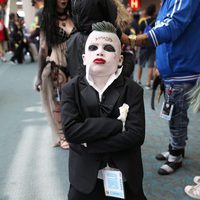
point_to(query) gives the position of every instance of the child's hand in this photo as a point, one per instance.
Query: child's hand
(123, 110)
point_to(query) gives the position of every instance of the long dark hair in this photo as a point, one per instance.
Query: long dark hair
(50, 20)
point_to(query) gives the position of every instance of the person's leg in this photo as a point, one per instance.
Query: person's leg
(96, 194)
(150, 65)
(51, 102)
(73, 194)
(179, 122)
(142, 63)
(149, 78)
(14, 57)
(139, 74)
(2, 52)
(27, 50)
(47, 97)
(31, 54)
(99, 193)
(178, 127)
(19, 54)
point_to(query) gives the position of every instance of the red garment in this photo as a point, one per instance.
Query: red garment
(2, 31)
(3, 1)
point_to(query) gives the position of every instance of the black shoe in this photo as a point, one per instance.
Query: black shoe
(162, 156)
(171, 166)
(165, 155)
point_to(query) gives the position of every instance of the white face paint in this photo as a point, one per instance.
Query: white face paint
(102, 54)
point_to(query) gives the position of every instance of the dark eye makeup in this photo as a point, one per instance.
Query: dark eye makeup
(92, 47)
(107, 47)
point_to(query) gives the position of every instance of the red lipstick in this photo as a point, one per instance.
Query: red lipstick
(99, 61)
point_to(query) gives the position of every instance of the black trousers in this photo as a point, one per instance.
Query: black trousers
(18, 54)
(99, 194)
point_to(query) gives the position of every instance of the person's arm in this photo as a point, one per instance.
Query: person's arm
(142, 40)
(78, 129)
(43, 52)
(134, 134)
(34, 33)
(174, 24)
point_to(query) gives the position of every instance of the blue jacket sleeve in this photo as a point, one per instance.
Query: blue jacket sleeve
(173, 18)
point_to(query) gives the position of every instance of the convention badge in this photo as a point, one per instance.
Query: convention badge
(58, 96)
(166, 111)
(113, 183)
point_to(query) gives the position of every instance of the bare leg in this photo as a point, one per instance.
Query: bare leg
(50, 82)
(47, 98)
(139, 74)
(149, 77)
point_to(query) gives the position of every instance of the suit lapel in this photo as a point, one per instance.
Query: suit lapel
(109, 98)
(112, 95)
(91, 99)
(107, 105)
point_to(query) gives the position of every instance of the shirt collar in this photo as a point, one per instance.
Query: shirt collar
(109, 82)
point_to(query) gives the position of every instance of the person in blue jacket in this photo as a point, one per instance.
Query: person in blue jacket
(176, 38)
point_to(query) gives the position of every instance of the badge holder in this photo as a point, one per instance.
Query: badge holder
(58, 95)
(167, 107)
(113, 183)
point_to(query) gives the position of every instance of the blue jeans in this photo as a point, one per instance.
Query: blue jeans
(179, 122)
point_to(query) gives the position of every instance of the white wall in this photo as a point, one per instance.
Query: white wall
(29, 12)
(27, 8)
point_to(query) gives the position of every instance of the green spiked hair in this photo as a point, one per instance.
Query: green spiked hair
(104, 27)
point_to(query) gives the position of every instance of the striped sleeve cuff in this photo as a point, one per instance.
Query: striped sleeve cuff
(152, 36)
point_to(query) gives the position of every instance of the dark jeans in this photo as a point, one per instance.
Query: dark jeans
(179, 122)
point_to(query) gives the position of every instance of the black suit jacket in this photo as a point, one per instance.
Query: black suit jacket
(87, 120)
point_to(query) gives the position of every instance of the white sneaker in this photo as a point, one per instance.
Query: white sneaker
(197, 179)
(3, 59)
(12, 62)
(139, 82)
(193, 191)
(147, 87)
